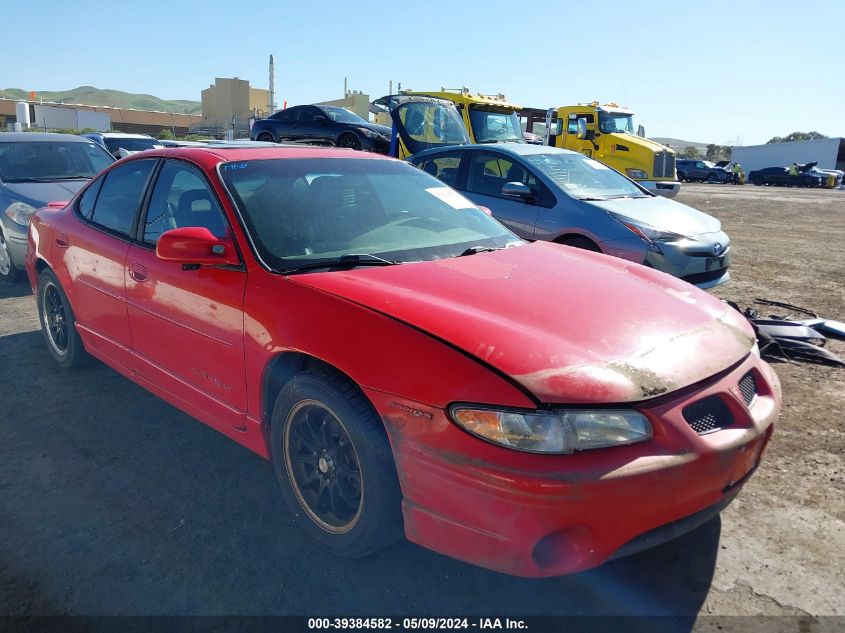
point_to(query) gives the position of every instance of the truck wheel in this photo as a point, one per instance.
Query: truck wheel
(334, 464)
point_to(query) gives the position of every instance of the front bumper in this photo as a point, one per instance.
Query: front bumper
(16, 241)
(694, 259)
(665, 188)
(547, 515)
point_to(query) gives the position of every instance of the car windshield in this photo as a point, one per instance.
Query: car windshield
(131, 144)
(301, 211)
(342, 115)
(585, 178)
(495, 126)
(610, 122)
(33, 161)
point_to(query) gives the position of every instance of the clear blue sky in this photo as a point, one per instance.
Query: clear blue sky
(704, 71)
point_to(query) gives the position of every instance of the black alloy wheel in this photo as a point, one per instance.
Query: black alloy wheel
(350, 141)
(323, 467)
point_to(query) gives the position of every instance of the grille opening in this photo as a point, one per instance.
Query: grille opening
(748, 388)
(708, 415)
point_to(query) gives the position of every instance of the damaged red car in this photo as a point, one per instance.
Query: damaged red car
(408, 364)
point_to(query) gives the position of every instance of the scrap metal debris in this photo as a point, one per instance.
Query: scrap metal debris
(782, 336)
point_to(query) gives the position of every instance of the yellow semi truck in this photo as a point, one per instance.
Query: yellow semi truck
(606, 133)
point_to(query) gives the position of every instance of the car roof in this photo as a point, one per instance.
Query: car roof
(19, 137)
(514, 149)
(212, 155)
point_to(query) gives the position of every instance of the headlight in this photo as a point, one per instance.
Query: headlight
(649, 234)
(372, 134)
(20, 212)
(636, 174)
(561, 431)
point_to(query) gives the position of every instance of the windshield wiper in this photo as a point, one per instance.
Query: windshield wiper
(473, 250)
(350, 260)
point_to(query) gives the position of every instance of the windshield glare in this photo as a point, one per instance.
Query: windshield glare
(585, 178)
(342, 115)
(51, 160)
(299, 211)
(495, 126)
(610, 123)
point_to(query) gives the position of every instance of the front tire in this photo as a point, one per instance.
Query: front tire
(578, 241)
(58, 323)
(334, 464)
(266, 137)
(350, 141)
(8, 272)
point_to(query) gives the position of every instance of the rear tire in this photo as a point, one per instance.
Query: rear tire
(578, 241)
(58, 323)
(334, 464)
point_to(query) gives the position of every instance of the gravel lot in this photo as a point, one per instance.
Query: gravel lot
(113, 502)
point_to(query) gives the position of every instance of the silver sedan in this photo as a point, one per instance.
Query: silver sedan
(546, 193)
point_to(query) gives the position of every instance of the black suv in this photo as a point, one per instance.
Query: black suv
(322, 125)
(702, 170)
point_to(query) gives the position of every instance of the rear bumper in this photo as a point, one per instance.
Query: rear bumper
(667, 188)
(544, 515)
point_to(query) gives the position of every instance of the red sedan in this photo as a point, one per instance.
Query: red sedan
(408, 364)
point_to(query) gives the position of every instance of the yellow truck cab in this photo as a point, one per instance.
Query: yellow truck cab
(487, 118)
(606, 133)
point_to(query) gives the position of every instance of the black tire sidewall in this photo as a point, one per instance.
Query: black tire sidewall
(358, 145)
(381, 512)
(14, 274)
(75, 355)
(265, 135)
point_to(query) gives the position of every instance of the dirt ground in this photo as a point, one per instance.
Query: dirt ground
(113, 502)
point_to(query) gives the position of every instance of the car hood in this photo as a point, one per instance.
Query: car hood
(663, 214)
(567, 325)
(38, 194)
(381, 129)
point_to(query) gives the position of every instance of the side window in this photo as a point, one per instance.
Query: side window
(86, 202)
(120, 196)
(285, 116)
(309, 115)
(444, 166)
(181, 198)
(572, 125)
(488, 173)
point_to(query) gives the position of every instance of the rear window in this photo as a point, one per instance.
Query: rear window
(34, 161)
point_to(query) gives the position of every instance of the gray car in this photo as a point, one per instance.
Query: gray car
(36, 169)
(546, 193)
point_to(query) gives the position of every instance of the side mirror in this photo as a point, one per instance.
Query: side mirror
(556, 127)
(582, 129)
(196, 245)
(641, 131)
(517, 190)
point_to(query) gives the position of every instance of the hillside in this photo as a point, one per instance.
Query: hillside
(88, 95)
(679, 144)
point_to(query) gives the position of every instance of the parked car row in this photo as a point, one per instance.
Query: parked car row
(269, 291)
(807, 176)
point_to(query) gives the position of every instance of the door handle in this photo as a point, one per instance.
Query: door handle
(62, 240)
(138, 272)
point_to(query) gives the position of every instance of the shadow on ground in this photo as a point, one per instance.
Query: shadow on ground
(113, 502)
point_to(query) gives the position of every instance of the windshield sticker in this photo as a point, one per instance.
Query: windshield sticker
(231, 166)
(451, 197)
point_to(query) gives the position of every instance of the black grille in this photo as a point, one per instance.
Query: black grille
(664, 165)
(700, 278)
(709, 414)
(748, 388)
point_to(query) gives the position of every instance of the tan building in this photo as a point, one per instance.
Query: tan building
(232, 98)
